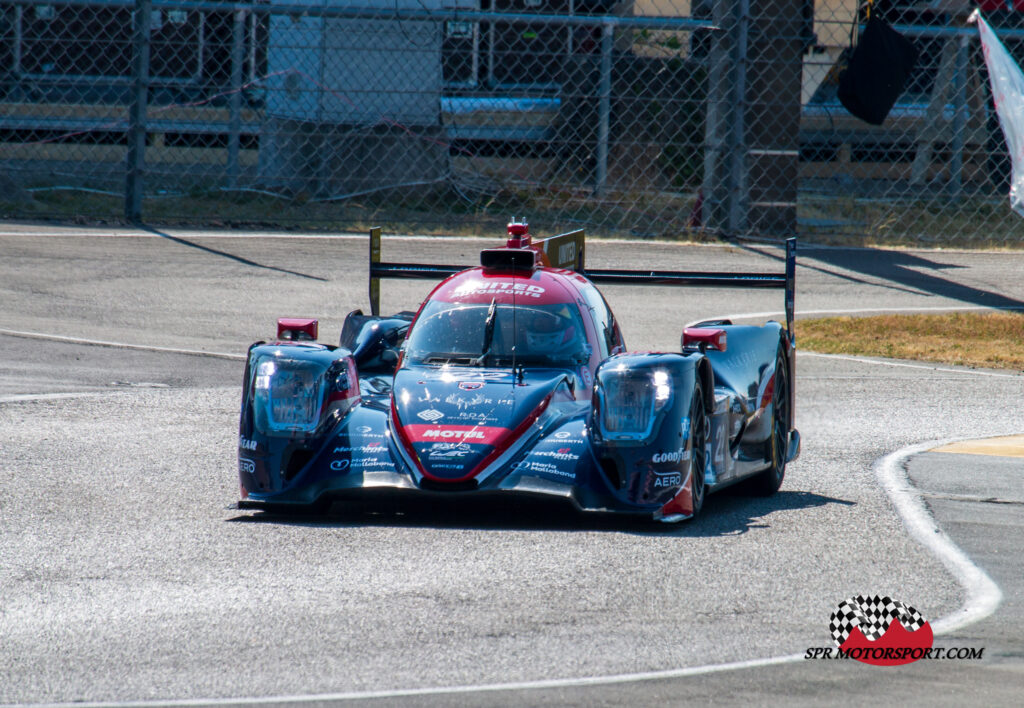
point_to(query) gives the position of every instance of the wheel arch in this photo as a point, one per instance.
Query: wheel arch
(706, 376)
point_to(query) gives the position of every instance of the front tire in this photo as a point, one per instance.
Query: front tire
(698, 449)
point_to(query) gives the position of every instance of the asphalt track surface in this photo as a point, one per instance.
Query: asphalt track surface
(127, 575)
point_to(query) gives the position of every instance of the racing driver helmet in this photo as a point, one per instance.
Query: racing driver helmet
(550, 333)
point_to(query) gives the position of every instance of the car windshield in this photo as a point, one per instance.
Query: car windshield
(485, 335)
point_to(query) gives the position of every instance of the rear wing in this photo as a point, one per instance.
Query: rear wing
(567, 251)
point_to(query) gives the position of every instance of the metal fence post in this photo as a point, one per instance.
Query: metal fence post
(19, 15)
(723, 154)
(956, 167)
(235, 104)
(136, 155)
(737, 181)
(604, 107)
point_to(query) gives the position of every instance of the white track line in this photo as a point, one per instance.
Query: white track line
(983, 595)
(865, 311)
(900, 364)
(33, 397)
(118, 345)
(88, 232)
(239, 235)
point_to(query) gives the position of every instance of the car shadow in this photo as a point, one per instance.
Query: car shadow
(898, 270)
(725, 514)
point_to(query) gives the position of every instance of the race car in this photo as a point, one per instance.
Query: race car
(512, 378)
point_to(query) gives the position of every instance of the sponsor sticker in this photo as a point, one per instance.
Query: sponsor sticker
(371, 463)
(246, 465)
(368, 449)
(543, 468)
(339, 465)
(564, 456)
(675, 456)
(246, 444)
(497, 287)
(480, 434)
(673, 479)
(430, 415)
(453, 453)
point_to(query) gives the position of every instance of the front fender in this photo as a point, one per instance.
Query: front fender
(640, 423)
(293, 397)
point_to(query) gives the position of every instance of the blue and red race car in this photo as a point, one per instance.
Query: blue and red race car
(512, 378)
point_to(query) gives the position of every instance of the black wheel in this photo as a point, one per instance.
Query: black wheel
(698, 447)
(769, 481)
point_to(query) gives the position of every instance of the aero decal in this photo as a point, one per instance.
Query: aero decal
(880, 631)
(477, 434)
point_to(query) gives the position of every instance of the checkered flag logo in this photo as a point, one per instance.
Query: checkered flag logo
(873, 615)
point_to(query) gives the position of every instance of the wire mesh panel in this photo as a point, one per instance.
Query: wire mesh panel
(936, 170)
(662, 118)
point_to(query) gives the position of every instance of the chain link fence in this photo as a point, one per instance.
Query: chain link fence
(652, 118)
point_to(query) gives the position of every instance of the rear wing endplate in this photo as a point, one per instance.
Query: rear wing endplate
(567, 251)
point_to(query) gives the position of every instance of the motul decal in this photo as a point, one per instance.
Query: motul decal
(477, 434)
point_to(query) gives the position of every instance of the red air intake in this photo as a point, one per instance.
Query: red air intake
(297, 329)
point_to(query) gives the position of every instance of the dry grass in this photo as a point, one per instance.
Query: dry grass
(990, 340)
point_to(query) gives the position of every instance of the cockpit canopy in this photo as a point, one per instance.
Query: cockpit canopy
(493, 334)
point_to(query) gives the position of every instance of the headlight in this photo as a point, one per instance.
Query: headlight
(629, 402)
(288, 395)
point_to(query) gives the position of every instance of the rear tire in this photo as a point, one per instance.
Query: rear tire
(768, 482)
